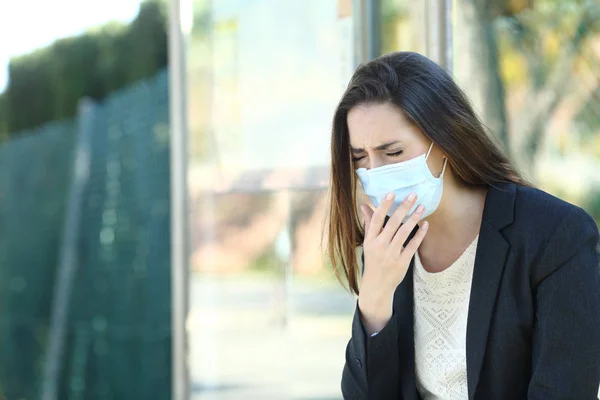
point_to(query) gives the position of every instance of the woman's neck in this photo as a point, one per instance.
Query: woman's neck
(453, 226)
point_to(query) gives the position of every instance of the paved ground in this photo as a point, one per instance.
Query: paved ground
(242, 346)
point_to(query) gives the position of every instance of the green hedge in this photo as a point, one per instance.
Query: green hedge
(118, 337)
(34, 179)
(46, 85)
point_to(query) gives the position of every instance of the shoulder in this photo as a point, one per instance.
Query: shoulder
(544, 208)
(551, 230)
(546, 213)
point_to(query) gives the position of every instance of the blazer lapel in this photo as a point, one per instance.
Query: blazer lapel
(490, 258)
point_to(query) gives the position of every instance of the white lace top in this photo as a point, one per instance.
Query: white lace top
(441, 302)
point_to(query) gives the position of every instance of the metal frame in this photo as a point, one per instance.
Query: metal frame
(437, 33)
(367, 29)
(449, 38)
(438, 17)
(179, 202)
(68, 261)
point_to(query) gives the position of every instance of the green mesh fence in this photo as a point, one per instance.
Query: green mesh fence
(118, 335)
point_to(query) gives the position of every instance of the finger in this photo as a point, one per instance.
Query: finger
(379, 216)
(412, 246)
(405, 230)
(367, 214)
(396, 219)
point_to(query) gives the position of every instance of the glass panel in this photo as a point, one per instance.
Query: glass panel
(532, 68)
(267, 318)
(84, 203)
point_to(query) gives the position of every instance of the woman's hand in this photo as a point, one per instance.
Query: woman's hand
(386, 261)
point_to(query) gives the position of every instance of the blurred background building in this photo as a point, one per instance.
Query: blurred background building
(164, 173)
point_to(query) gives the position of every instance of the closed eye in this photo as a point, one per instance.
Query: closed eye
(395, 154)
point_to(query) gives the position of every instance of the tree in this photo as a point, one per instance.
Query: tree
(46, 85)
(549, 73)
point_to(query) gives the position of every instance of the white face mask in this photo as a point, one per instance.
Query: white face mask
(402, 179)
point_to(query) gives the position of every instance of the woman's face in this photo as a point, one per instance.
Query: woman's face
(380, 135)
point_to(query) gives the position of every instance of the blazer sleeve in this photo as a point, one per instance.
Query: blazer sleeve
(566, 338)
(372, 366)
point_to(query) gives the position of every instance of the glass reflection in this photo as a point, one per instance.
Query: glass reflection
(267, 318)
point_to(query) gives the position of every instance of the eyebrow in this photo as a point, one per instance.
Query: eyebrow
(383, 146)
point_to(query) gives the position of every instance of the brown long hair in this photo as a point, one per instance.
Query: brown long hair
(431, 100)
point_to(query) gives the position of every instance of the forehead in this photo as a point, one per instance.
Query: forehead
(372, 124)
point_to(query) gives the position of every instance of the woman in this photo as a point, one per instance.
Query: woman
(475, 285)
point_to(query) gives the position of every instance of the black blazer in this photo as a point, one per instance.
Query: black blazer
(533, 329)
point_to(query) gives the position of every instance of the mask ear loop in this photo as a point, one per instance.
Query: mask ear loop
(445, 160)
(444, 167)
(429, 151)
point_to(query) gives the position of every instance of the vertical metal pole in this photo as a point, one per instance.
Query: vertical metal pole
(367, 29)
(373, 15)
(357, 27)
(435, 31)
(448, 21)
(283, 249)
(439, 32)
(179, 200)
(68, 254)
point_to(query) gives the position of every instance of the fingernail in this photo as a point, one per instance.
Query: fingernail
(425, 225)
(412, 197)
(420, 209)
(390, 196)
